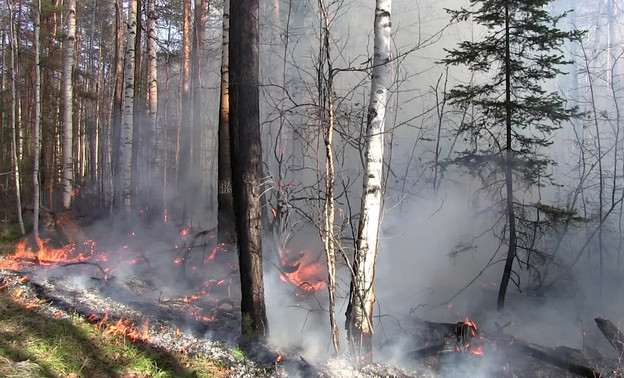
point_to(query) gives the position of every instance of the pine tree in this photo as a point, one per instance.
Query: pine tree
(515, 115)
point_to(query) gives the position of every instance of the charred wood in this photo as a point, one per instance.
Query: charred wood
(612, 333)
(450, 337)
(551, 357)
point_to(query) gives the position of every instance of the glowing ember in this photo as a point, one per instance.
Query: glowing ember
(202, 318)
(466, 331)
(220, 247)
(478, 351)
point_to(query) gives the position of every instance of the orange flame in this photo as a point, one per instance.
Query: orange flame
(308, 270)
(478, 351)
(46, 255)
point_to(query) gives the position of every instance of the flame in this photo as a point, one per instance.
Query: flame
(202, 318)
(472, 325)
(278, 359)
(177, 332)
(124, 327)
(309, 271)
(478, 351)
(220, 247)
(46, 255)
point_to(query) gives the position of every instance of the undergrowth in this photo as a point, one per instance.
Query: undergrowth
(36, 344)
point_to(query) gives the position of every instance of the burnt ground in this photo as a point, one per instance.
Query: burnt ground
(187, 299)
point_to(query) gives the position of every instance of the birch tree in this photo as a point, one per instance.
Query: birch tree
(125, 150)
(68, 99)
(362, 296)
(37, 137)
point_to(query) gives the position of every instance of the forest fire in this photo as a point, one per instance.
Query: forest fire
(467, 332)
(304, 269)
(47, 255)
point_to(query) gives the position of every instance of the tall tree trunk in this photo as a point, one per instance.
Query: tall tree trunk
(37, 137)
(225, 205)
(138, 161)
(329, 215)
(362, 296)
(511, 216)
(185, 127)
(125, 150)
(199, 30)
(152, 84)
(246, 161)
(68, 99)
(117, 107)
(14, 121)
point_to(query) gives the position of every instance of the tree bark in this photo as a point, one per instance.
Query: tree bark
(246, 161)
(37, 136)
(152, 86)
(68, 98)
(184, 128)
(125, 150)
(362, 297)
(225, 205)
(329, 214)
(199, 30)
(117, 107)
(14, 122)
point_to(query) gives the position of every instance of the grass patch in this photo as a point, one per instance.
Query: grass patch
(34, 344)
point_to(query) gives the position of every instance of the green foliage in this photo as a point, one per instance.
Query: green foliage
(239, 354)
(247, 326)
(533, 58)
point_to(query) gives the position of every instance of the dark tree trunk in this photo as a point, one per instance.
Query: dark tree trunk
(246, 159)
(225, 205)
(117, 99)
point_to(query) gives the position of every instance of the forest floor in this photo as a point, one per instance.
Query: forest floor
(40, 342)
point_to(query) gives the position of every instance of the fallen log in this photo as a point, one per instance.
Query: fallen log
(612, 333)
(450, 339)
(551, 357)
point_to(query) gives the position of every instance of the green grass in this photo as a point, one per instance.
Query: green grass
(35, 344)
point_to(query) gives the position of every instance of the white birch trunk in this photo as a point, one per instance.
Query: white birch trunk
(68, 97)
(37, 136)
(362, 296)
(125, 148)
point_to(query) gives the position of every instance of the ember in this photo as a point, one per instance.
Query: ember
(466, 332)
